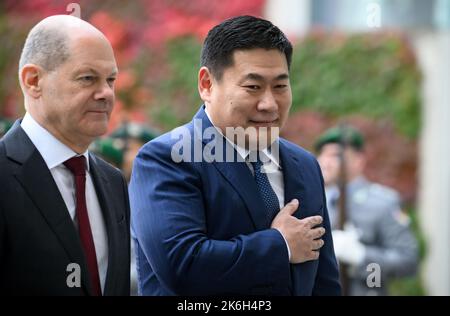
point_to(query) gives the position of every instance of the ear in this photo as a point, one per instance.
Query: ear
(205, 82)
(30, 79)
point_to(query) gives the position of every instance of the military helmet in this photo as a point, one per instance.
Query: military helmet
(136, 131)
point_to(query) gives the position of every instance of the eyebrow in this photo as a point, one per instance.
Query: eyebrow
(90, 69)
(258, 77)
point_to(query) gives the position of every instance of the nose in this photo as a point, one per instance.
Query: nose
(105, 92)
(267, 102)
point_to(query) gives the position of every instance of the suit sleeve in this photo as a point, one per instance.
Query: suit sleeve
(327, 278)
(168, 221)
(127, 203)
(128, 225)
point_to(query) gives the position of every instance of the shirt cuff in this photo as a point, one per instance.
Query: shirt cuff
(287, 246)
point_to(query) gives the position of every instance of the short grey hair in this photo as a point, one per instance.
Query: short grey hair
(47, 47)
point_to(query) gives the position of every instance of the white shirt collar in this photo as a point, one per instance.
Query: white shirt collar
(243, 152)
(51, 149)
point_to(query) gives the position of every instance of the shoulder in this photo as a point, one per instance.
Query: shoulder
(3, 161)
(299, 153)
(171, 154)
(2, 149)
(10, 152)
(383, 193)
(379, 199)
(387, 201)
(163, 144)
(105, 167)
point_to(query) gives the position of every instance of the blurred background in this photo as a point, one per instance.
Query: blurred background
(382, 66)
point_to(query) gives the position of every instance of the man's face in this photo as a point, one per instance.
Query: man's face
(254, 92)
(330, 163)
(78, 96)
(329, 160)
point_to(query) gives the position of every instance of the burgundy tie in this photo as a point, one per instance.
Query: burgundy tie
(77, 165)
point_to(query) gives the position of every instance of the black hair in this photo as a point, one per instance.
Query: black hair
(241, 33)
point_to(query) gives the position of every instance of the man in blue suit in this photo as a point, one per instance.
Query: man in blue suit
(222, 205)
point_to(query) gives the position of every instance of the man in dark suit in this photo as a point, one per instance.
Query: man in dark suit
(64, 213)
(223, 205)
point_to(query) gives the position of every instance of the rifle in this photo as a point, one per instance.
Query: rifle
(342, 185)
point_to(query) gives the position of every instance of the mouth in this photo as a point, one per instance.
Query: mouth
(264, 123)
(98, 111)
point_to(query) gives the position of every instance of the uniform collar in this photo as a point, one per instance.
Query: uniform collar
(356, 184)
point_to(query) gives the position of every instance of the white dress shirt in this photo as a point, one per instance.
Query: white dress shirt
(55, 154)
(271, 166)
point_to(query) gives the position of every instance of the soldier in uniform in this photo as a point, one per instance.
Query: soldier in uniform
(122, 145)
(376, 230)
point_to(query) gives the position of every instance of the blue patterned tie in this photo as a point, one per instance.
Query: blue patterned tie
(265, 189)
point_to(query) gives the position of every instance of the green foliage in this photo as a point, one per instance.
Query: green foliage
(373, 75)
(410, 286)
(9, 59)
(177, 98)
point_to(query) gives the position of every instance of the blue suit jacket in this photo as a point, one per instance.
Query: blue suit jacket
(200, 229)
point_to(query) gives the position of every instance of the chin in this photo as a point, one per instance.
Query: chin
(98, 130)
(268, 136)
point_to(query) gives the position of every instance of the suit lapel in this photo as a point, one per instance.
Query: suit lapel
(40, 186)
(294, 184)
(236, 173)
(240, 177)
(294, 187)
(106, 197)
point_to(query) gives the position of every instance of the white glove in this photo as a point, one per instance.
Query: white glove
(347, 247)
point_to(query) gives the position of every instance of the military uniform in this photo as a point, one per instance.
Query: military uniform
(110, 149)
(375, 212)
(379, 232)
(135, 131)
(113, 147)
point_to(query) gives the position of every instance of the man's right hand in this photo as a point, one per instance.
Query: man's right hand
(301, 235)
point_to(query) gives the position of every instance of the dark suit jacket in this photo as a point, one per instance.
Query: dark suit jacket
(200, 227)
(38, 239)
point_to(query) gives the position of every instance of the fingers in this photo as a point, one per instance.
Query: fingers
(312, 255)
(316, 233)
(291, 207)
(314, 220)
(317, 244)
(316, 255)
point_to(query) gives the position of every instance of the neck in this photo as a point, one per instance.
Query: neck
(79, 146)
